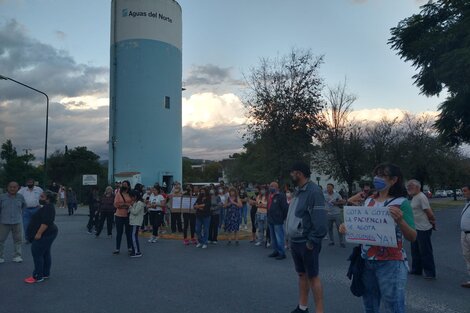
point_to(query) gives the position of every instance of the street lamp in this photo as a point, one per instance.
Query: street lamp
(47, 121)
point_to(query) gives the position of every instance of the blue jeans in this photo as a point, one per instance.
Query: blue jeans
(41, 252)
(202, 228)
(277, 238)
(27, 214)
(384, 281)
(244, 214)
(261, 220)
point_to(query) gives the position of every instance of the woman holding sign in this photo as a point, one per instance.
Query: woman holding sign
(385, 270)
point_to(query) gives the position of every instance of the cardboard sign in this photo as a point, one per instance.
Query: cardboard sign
(176, 204)
(370, 225)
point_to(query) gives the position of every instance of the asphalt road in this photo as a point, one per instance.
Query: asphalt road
(170, 277)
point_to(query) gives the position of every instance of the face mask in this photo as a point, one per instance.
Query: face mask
(42, 202)
(30, 185)
(272, 190)
(379, 183)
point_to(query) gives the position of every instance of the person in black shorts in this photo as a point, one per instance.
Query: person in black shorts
(306, 226)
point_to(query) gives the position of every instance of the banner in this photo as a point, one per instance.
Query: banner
(370, 225)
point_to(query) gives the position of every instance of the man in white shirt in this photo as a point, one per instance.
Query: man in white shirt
(465, 227)
(425, 222)
(31, 195)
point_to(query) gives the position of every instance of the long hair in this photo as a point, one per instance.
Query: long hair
(391, 170)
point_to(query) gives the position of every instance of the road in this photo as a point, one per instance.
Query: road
(170, 277)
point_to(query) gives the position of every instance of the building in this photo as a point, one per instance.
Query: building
(145, 134)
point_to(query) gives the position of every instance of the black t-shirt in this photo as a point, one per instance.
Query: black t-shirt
(206, 211)
(45, 215)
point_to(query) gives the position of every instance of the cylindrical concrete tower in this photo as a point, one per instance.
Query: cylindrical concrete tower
(145, 91)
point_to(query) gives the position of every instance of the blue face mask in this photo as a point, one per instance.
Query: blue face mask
(379, 183)
(272, 190)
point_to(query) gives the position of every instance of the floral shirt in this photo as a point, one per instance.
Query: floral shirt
(379, 253)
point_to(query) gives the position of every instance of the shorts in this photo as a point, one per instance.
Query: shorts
(305, 260)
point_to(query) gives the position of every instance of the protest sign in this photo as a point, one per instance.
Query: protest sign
(370, 225)
(176, 205)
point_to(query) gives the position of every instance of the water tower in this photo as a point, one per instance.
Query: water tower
(145, 91)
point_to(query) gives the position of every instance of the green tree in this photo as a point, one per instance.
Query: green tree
(16, 167)
(283, 109)
(437, 42)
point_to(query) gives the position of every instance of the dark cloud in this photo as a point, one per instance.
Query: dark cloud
(46, 68)
(214, 143)
(210, 75)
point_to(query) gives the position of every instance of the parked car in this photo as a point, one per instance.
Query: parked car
(450, 193)
(440, 194)
(459, 193)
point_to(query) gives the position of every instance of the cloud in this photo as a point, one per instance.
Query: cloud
(376, 115)
(46, 68)
(202, 77)
(78, 114)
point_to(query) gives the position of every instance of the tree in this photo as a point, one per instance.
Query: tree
(342, 146)
(16, 167)
(437, 42)
(284, 105)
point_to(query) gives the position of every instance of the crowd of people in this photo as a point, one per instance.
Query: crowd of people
(297, 218)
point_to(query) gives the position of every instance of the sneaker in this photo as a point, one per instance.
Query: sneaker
(258, 244)
(17, 259)
(298, 310)
(136, 255)
(198, 245)
(186, 242)
(204, 246)
(116, 251)
(32, 280)
(153, 239)
(281, 257)
(273, 255)
(2, 260)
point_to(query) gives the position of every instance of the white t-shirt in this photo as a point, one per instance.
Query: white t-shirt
(419, 203)
(31, 196)
(155, 199)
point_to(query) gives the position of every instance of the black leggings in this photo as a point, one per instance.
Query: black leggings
(176, 222)
(253, 219)
(108, 216)
(156, 220)
(189, 220)
(122, 226)
(214, 228)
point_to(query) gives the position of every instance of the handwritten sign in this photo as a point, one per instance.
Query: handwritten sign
(370, 225)
(185, 204)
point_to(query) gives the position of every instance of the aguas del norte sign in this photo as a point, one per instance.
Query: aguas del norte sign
(151, 14)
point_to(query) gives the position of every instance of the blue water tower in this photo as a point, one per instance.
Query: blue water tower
(145, 131)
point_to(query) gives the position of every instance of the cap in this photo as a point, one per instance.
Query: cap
(301, 167)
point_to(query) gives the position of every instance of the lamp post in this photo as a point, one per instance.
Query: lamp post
(47, 121)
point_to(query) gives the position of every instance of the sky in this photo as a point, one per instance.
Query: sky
(62, 48)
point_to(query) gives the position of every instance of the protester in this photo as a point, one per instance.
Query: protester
(465, 228)
(223, 199)
(41, 233)
(93, 206)
(146, 220)
(62, 200)
(359, 198)
(122, 203)
(261, 215)
(31, 195)
(332, 201)
(216, 204)
(72, 202)
(425, 222)
(385, 270)
(176, 224)
(306, 226)
(253, 211)
(106, 212)
(136, 216)
(155, 206)
(203, 217)
(277, 213)
(233, 206)
(244, 211)
(189, 221)
(12, 205)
